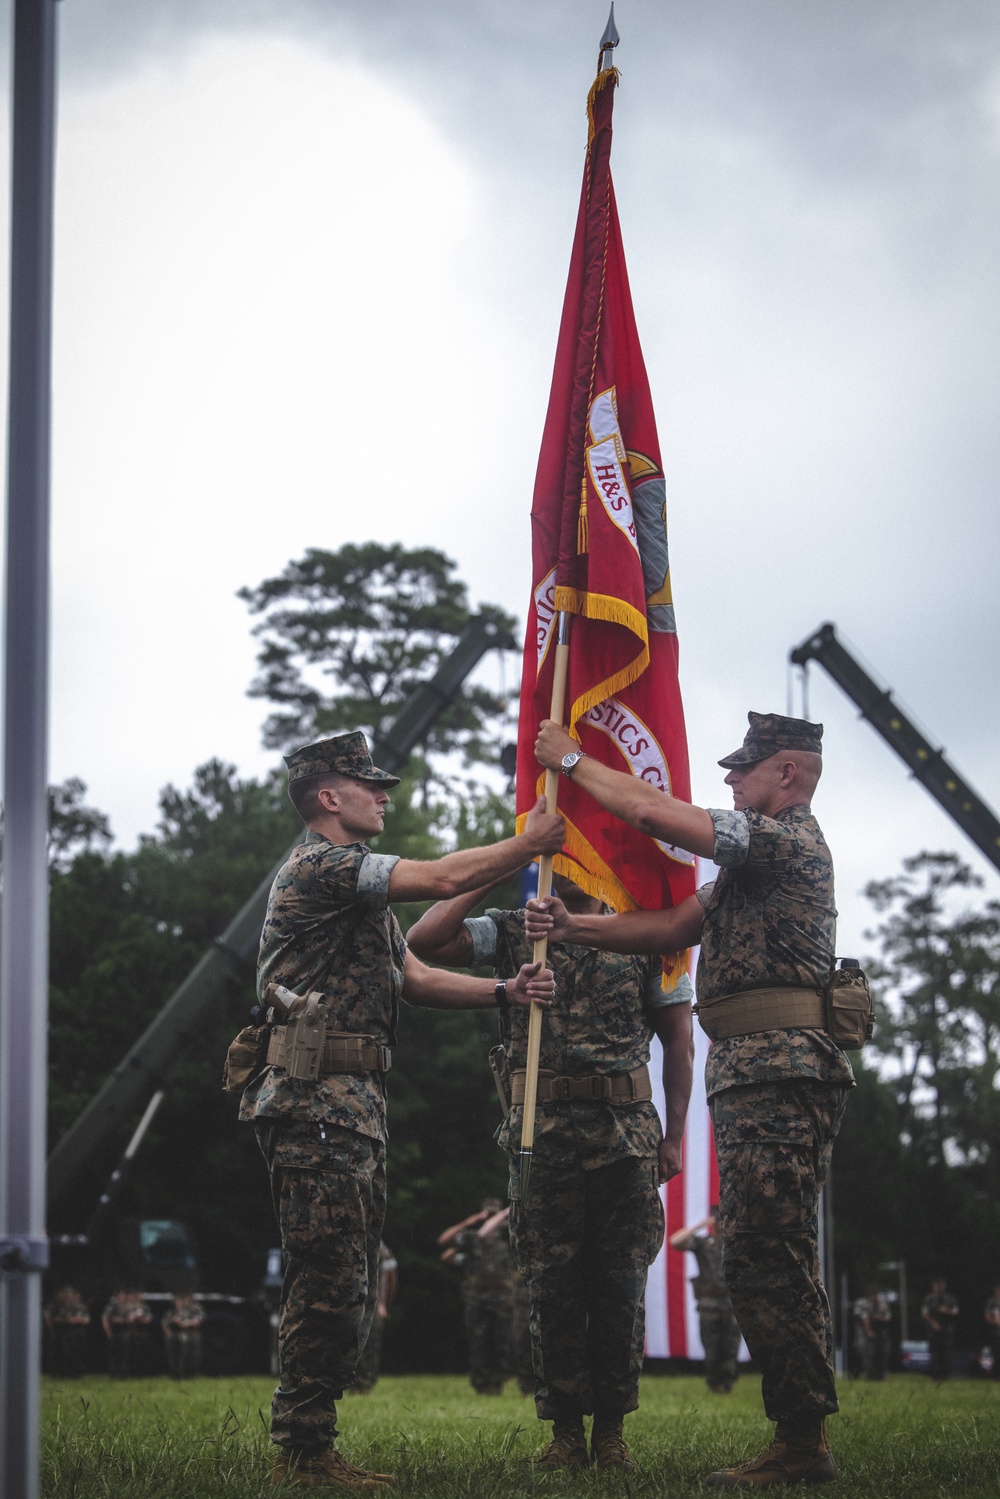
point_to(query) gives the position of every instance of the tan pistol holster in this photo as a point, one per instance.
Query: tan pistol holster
(303, 1046)
(308, 1050)
(599, 1087)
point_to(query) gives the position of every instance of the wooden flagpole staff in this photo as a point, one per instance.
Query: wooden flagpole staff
(544, 888)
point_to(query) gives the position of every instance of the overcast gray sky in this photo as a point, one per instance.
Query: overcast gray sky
(310, 262)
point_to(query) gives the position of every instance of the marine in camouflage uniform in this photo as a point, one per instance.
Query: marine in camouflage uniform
(126, 1321)
(940, 1312)
(66, 1322)
(487, 1307)
(329, 929)
(720, 1333)
(479, 1248)
(594, 1221)
(871, 1333)
(777, 1096)
(182, 1337)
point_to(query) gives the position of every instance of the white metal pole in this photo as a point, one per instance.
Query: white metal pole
(24, 899)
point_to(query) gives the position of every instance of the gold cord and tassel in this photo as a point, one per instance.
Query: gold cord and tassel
(582, 523)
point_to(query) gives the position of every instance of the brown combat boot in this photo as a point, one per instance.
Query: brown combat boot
(324, 1470)
(607, 1445)
(798, 1454)
(567, 1449)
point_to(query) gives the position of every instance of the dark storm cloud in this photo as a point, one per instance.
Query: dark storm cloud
(811, 195)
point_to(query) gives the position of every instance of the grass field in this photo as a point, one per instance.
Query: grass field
(208, 1437)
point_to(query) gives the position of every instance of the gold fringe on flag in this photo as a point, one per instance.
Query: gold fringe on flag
(615, 611)
(606, 886)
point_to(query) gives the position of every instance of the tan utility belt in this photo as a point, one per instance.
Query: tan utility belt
(756, 1010)
(601, 1087)
(341, 1053)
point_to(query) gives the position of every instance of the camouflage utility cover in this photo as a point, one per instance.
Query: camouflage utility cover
(344, 755)
(329, 928)
(770, 920)
(771, 732)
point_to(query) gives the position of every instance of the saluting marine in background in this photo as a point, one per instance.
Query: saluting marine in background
(720, 1333)
(479, 1248)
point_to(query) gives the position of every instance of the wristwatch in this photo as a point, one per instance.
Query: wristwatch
(571, 761)
(500, 994)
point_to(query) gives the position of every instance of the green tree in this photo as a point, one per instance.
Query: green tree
(346, 636)
(917, 1168)
(939, 1031)
(74, 828)
(126, 929)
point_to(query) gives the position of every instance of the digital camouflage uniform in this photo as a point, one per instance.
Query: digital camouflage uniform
(66, 1322)
(129, 1320)
(938, 1304)
(871, 1335)
(720, 1333)
(182, 1338)
(594, 1221)
(328, 928)
(488, 1271)
(776, 1097)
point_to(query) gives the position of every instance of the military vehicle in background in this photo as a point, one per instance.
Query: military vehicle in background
(887, 718)
(160, 1256)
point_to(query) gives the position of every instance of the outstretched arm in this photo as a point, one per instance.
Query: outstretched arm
(440, 936)
(630, 932)
(451, 1234)
(470, 868)
(437, 989)
(637, 802)
(685, 1237)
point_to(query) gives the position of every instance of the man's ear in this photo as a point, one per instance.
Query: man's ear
(328, 799)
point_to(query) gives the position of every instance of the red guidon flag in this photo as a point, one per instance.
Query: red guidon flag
(599, 553)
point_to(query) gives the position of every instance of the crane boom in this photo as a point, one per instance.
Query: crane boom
(928, 764)
(173, 1029)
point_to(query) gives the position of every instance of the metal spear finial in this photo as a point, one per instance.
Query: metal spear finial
(609, 41)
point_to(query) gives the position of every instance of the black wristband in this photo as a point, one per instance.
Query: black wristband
(500, 993)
